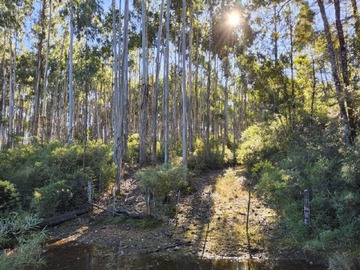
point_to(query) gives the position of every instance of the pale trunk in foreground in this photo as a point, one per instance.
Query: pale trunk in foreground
(166, 84)
(144, 88)
(156, 90)
(71, 94)
(184, 99)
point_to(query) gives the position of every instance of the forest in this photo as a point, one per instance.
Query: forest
(97, 92)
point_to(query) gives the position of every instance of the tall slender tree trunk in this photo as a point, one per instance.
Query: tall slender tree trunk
(197, 116)
(55, 101)
(174, 126)
(166, 83)
(292, 80)
(156, 88)
(46, 121)
(356, 24)
(345, 71)
(11, 95)
(313, 93)
(116, 120)
(125, 77)
(184, 98)
(335, 75)
(275, 35)
(3, 97)
(105, 120)
(144, 88)
(190, 111)
(71, 91)
(208, 87)
(226, 111)
(36, 109)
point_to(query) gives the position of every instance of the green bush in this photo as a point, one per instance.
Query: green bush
(200, 161)
(9, 197)
(48, 198)
(160, 182)
(261, 142)
(133, 149)
(42, 167)
(282, 164)
(343, 261)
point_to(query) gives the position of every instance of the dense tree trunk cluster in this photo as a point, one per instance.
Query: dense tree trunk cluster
(173, 72)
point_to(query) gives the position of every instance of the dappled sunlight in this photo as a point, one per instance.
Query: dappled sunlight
(78, 233)
(226, 234)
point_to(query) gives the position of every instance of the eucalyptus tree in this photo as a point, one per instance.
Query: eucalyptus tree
(334, 71)
(157, 78)
(345, 71)
(183, 84)
(208, 87)
(3, 93)
(37, 91)
(356, 18)
(166, 82)
(12, 16)
(45, 79)
(71, 90)
(144, 87)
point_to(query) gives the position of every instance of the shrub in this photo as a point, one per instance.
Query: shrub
(48, 198)
(343, 261)
(200, 161)
(160, 182)
(260, 142)
(43, 167)
(308, 158)
(133, 149)
(9, 197)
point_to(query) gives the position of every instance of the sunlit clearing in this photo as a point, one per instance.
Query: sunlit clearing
(234, 19)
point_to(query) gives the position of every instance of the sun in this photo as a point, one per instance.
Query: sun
(233, 18)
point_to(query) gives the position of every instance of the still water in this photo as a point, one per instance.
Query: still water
(81, 257)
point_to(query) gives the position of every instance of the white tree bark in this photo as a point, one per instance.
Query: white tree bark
(44, 124)
(71, 92)
(156, 89)
(144, 88)
(184, 96)
(166, 84)
(3, 97)
(11, 95)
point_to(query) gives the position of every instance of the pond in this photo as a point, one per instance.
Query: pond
(87, 257)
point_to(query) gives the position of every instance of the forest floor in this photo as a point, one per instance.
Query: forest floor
(211, 223)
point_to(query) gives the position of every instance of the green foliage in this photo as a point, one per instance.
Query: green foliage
(47, 199)
(161, 182)
(17, 232)
(56, 175)
(132, 154)
(161, 179)
(259, 143)
(313, 160)
(9, 197)
(343, 261)
(200, 161)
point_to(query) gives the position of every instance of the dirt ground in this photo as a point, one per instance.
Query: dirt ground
(215, 220)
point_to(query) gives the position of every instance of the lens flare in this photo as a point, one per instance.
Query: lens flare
(234, 19)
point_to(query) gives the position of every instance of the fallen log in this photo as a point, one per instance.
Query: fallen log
(121, 212)
(53, 221)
